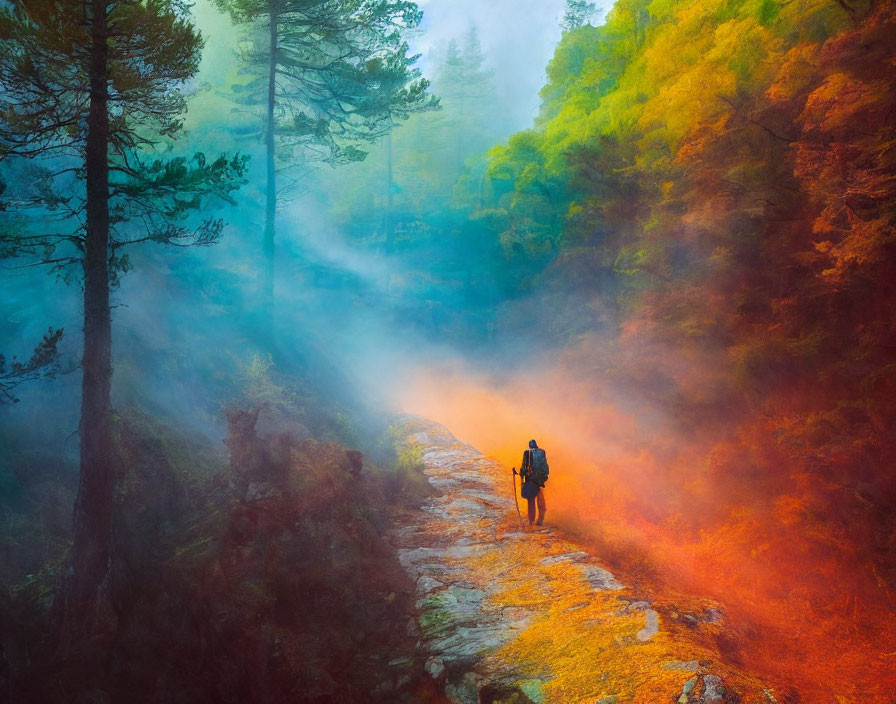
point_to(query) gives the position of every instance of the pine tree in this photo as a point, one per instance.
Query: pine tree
(577, 13)
(466, 88)
(432, 163)
(330, 76)
(90, 87)
(43, 364)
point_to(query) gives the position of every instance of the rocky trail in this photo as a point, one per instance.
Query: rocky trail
(512, 615)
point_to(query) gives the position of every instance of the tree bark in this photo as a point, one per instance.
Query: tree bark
(86, 606)
(389, 225)
(271, 188)
(389, 171)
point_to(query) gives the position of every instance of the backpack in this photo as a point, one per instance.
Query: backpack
(538, 466)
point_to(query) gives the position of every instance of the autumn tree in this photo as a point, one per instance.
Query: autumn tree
(740, 237)
(328, 77)
(89, 89)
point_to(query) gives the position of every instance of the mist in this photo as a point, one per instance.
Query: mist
(644, 236)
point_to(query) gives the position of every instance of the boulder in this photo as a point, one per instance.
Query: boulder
(706, 689)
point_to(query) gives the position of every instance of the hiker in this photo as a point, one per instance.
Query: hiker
(534, 471)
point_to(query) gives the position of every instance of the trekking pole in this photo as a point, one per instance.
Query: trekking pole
(516, 501)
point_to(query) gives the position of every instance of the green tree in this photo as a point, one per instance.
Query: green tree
(466, 87)
(425, 159)
(89, 88)
(43, 364)
(329, 75)
(577, 13)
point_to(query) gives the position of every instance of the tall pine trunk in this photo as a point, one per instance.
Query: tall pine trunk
(389, 172)
(270, 213)
(86, 611)
(389, 226)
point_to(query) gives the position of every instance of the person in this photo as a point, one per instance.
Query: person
(534, 471)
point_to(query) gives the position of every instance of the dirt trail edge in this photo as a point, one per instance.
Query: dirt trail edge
(511, 616)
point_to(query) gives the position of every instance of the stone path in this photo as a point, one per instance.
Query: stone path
(526, 616)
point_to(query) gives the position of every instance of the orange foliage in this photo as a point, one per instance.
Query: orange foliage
(684, 516)
(728, 433)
